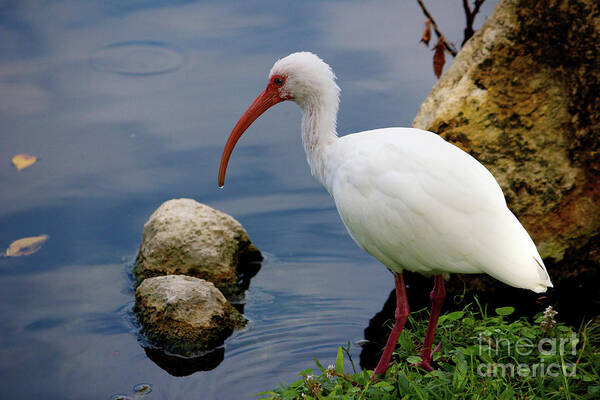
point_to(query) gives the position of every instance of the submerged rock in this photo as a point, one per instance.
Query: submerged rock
(522, 97)
(184, 315)
(186, 237)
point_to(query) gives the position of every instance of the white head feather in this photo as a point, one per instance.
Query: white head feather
(310, 82)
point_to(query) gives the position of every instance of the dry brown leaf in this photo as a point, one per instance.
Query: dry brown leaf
(22, 161)
(26, 246)
(439, 57)
(427, 32)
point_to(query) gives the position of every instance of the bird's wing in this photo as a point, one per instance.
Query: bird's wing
(416, 202)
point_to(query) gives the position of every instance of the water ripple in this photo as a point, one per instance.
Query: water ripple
(138, 58)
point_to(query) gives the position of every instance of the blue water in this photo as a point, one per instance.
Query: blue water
(129, 104)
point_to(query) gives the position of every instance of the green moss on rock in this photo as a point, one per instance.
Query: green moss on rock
(184, 315)
(185, 237)
(522, 98)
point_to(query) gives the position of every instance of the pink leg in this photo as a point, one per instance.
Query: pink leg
(437, 296)
(401, 317)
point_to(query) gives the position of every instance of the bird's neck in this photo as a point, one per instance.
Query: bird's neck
(319, 135)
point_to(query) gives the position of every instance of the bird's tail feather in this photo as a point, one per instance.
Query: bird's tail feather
(543, 273)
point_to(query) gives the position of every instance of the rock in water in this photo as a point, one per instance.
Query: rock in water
(184, 315)
(186, 237)
(522, 97)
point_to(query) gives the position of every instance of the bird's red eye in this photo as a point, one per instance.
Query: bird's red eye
(278, 81)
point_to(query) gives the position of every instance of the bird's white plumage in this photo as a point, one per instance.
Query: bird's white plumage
(416, 202)
(406, 196)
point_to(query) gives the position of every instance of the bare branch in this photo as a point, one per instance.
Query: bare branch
(477, 6)
(467, 8)
(470, 15)
(439, 34)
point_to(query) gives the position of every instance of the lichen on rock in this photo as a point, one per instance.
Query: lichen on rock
(184, 315)
(186, 237)
(522, 97)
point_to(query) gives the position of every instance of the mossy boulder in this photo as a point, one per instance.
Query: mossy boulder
(185, 237)
(522, 97)
(184, 315)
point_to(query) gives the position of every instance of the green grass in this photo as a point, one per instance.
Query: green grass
(483, 356)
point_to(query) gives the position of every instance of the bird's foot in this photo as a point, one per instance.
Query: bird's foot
(426, 359)
(378, 373)
(426, 365)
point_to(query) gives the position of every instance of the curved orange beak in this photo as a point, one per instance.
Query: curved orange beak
(267, 99)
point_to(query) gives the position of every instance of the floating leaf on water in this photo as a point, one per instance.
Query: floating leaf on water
(120, 397)
(22, 161)
(142, 388)
(26, 246)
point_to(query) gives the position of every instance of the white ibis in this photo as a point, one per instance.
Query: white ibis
(406, 196)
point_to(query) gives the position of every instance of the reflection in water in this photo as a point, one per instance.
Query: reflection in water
(247, 269)
(178, 365)
(139, 392)
(376, 333)
(182, 366)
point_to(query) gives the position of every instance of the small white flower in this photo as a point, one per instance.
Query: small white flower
(548, 321)
(550, 313)
(330, 371)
